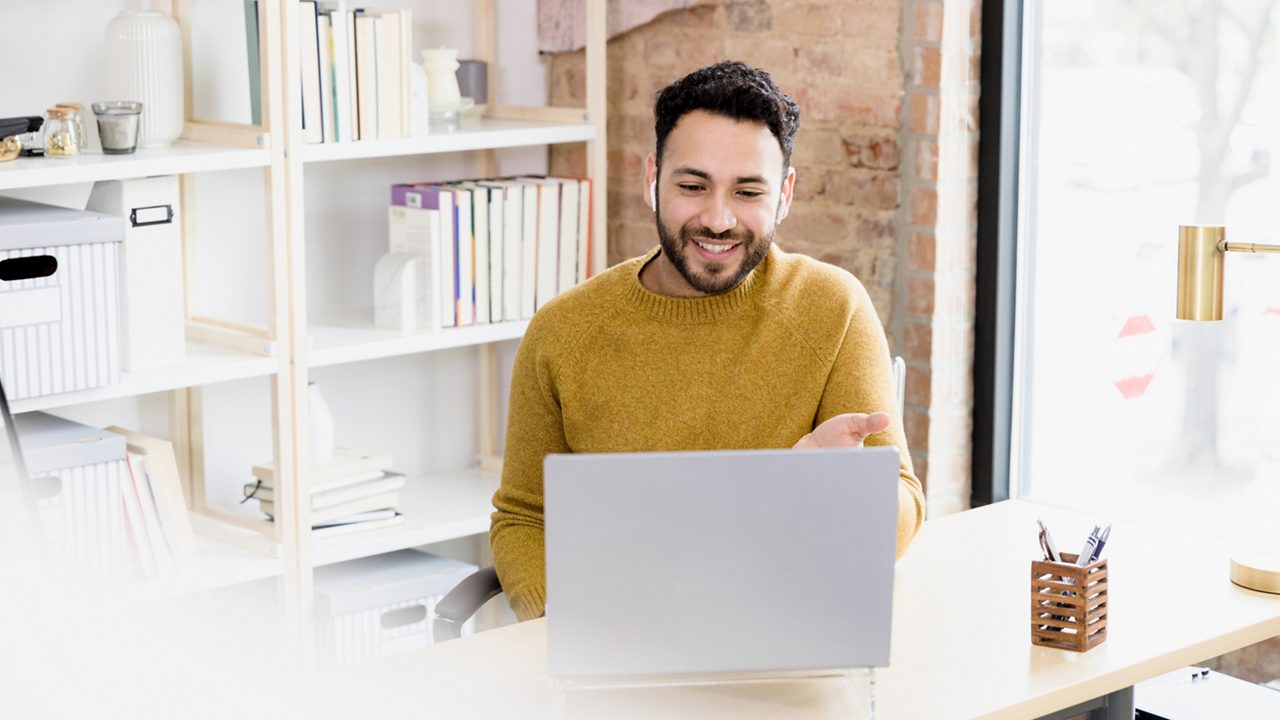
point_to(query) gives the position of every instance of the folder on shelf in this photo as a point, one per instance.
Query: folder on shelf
(375, 521)
(383, 483)
(373, 502)
(153, 459)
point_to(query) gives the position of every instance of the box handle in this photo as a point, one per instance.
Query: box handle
(28, 268)
(402, 617)
(46, 487)
(151, 215)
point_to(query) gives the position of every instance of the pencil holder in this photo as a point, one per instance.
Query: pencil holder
(1068, 604)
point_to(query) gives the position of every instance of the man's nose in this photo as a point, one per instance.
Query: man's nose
(718, 217)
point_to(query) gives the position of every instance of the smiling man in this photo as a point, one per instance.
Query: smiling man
(715, 339)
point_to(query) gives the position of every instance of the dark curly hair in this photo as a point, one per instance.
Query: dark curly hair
(734, 90)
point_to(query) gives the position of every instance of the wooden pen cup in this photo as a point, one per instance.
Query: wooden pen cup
(1068, 603)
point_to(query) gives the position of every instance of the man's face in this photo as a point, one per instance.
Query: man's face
(720, 193)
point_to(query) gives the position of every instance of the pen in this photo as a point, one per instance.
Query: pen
(1102, 542)
(1086, 554)
(1049, 549)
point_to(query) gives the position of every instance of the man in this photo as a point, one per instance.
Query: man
(714, 340)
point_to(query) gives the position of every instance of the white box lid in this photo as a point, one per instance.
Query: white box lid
(25, 224)
(380, 580)
(52, 443)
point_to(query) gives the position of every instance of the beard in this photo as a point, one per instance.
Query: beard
(715, 278)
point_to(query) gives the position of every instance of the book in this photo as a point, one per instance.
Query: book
(548, 242)
(529, 251)
(309, 67)
(480, 243)
(160, 468)
(253, 46)
(135, 525)
(341, 70)
(344, 468)
(156, 549)
(567, 276)
(386, 482)
(441, 199)
(340, 529)
(361, 517)
(391, 65)
(326, 77)
(372, 502)
(366, 50)
(416, 231)
(353, 108)
(585, 216)
(497, 212)
(465, 242)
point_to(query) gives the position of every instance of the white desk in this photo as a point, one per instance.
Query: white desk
(961, 635)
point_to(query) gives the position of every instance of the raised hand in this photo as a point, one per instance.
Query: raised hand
(848, 430)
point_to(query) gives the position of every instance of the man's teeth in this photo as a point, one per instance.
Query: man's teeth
(713, 248)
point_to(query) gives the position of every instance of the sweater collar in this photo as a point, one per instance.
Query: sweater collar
(699, 309)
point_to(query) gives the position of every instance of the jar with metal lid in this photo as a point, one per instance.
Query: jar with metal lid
(78, 120)
(60, 137)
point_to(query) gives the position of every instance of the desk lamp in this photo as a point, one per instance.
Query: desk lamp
(1202, 252)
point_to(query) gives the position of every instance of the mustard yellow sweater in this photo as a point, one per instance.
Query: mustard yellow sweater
(610, 366)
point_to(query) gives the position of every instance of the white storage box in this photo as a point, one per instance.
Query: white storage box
(377, 606)
(59, 298)
(78, 473)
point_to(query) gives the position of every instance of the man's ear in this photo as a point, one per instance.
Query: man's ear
(651, 182)
(788, 192)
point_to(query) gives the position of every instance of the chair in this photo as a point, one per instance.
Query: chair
(465, 599)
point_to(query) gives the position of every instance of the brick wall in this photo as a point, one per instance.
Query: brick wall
(877, 165)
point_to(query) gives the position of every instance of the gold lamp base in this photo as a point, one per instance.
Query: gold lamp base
(1257, 569)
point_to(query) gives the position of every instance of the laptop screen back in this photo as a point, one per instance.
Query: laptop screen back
(720, 562)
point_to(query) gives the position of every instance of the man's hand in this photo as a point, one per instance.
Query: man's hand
(848, 430)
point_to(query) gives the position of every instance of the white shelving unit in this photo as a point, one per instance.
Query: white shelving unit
(437, 507)
(477, 134)
(206, 364)
(351, 337)
(183, 157)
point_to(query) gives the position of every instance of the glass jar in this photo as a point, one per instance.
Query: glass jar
(78, 120)
(60, 137)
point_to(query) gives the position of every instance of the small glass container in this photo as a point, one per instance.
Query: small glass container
(60, 138)
(118, 125)
(78, 119)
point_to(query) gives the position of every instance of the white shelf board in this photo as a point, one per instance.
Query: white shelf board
(222, 565)
(205, 364)
(435, 508)
(477, 134)
(352, 337)
(183, 156)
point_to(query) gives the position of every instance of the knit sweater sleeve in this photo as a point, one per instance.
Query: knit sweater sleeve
(861, 381)
(535, 429)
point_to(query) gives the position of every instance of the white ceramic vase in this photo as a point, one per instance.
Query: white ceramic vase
(144, 63)
(319, 425)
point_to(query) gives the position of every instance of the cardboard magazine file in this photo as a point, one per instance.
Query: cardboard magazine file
(152, 327)
(1069, 603)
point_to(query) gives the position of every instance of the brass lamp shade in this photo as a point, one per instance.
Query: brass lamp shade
(1201, 256)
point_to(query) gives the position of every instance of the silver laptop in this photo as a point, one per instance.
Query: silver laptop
(719, 563)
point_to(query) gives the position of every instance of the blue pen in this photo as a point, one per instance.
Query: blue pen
(1102, 542)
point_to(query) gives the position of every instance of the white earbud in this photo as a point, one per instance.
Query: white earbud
(653, 195)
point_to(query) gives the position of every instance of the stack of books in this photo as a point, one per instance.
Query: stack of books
(493, 250)
(353, 492)
(354, 66)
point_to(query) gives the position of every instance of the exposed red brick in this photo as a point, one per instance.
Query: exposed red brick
(926, 67)
(873, 151)
(924, 206)
(920, 296)
(921, 245)
(928, 22)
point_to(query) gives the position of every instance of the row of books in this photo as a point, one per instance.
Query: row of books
(354, 66)
(493, 250)
(352, 492)
(159, 533)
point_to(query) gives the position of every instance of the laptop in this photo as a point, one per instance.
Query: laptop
(719, 563)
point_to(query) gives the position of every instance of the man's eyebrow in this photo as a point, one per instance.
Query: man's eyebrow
(742, 180)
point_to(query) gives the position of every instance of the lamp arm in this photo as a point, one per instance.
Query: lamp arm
(1225, 246)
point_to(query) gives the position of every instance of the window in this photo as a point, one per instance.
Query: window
(1137, 116)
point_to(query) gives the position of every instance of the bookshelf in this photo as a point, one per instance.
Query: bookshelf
(308, 193)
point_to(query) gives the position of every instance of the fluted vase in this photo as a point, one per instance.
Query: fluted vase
(144, 63)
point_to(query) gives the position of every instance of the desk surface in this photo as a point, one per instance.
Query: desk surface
(961, 634)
